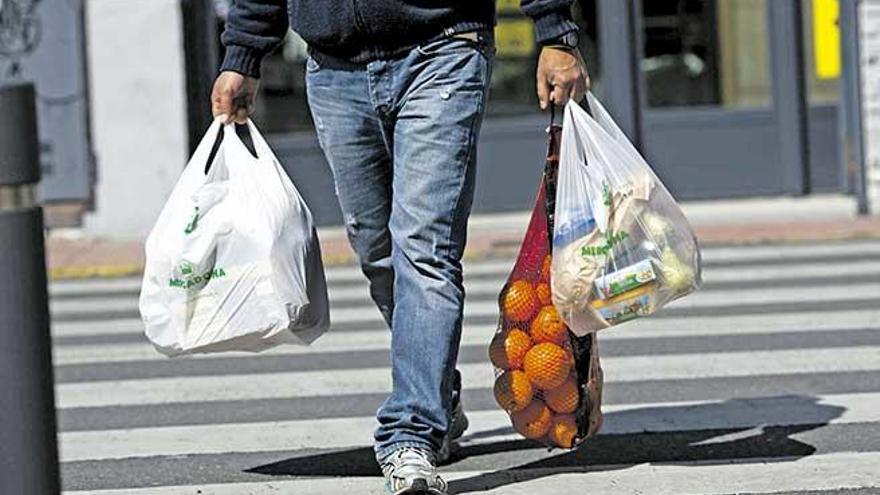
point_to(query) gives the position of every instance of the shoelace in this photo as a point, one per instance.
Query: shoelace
(412, 455)
(408, 457)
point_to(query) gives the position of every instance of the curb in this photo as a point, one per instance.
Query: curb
(488, 245)
(93, 271)
(84, 272)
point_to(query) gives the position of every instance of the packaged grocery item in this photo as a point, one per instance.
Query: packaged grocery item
(623, 280)
(628, 305)
(622, 246)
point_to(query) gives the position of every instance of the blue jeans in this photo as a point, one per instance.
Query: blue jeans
(400, 136)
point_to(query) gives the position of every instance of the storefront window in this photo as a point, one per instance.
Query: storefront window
(706, 52)
(282, 107)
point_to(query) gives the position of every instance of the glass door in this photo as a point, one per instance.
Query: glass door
(710, 103)
(705, 53)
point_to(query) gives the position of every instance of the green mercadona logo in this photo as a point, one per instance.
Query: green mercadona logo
(611, 239)
(191, 279)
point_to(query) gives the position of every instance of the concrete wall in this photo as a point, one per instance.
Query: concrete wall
(136, 74)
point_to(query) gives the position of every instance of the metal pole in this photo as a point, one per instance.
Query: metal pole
(620, 51)
(200, 46)
(851, 130)
(28, 448)
(790, 92)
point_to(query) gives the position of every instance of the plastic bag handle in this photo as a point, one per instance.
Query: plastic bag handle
(553, 121)
(550, 175)
(243, 131)
(215, 148)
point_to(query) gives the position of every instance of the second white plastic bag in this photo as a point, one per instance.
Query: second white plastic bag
(622, 246)
(233, 262)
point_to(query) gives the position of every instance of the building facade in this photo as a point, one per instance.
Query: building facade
(726, 98)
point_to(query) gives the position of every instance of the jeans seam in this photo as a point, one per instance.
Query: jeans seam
(467, 163)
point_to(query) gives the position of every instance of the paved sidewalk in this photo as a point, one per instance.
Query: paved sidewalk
(818, 218)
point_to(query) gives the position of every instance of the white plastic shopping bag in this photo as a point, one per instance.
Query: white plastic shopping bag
(233, 262)
(622, 246)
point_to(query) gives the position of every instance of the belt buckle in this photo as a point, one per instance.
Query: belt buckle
(471, 36)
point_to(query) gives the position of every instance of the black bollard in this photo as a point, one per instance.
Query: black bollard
(28, 446)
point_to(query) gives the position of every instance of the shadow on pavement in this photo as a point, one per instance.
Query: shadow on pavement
(674, 434)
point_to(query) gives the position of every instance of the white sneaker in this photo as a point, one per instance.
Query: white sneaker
(411, 471)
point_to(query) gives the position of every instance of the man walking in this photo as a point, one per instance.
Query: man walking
(397, 91)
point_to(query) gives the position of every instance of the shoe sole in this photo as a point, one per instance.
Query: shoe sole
(420, 487)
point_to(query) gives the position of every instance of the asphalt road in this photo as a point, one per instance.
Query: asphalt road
(767, 381)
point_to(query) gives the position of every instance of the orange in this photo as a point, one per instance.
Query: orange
(532, 422)
(547, 365)
(513, 391)
(563, 430)
(545, 268)
(564, 398)
(548, 326)
(508, 349)
(520, 302)
(542, 290)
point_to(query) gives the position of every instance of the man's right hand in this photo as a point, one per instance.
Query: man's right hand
(233, 96)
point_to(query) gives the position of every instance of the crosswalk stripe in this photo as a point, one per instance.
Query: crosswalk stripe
(377, 380)
(644, 327)
(785, 253)
(122, 326)
(331, 361)
(790, 251)
(83, 309)
(482, 334)
(805, 385)
(113, 290)
(807, 474)
(790, 259)
(835, 274)
(312, 434)
(792, 272)
(803, 295)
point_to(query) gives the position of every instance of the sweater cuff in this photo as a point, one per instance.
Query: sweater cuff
(553, 25)
(245, 61)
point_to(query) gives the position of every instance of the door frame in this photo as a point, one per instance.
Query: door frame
(789, 90)
(851, 129)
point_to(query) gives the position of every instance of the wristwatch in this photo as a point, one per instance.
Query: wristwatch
(567, 41)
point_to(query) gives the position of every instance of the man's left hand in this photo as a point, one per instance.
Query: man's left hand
(562, 74)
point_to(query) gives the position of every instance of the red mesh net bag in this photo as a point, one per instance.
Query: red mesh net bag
(548, 379)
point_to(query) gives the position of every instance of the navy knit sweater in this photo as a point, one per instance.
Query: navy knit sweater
(366, 30)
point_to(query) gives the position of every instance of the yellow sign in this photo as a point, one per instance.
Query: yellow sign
(507, 6)
(826, 38)
(515, 38)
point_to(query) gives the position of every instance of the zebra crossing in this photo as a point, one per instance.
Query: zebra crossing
(766, 381)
